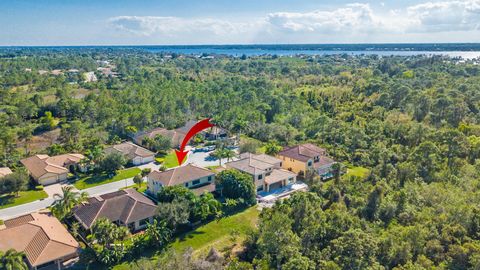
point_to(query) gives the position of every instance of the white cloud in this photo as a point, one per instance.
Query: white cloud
(171, 26)
(352, 17)
(350, 23)
(445, 16)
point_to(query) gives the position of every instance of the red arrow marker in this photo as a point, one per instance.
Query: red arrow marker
(199, 126)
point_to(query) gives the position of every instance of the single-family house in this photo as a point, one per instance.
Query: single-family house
(198, 179)
(124, 207)
(266, 171)
(175, 137)
(5, 171)
(216, 133)
(305, 157)
(45, 241)
(135, 154)
(47, 170)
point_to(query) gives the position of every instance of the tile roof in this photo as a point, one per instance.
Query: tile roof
(5, 171)
(39, 165)
(179, 175)
(303, 152)
(40, 235)
(278, 175)
(324, 160)
(130, 150)
(254, 164)
(124, 205)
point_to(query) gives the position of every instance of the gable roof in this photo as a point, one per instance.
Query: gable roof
(40, 165)
(130, 150)
(179, 175)
(5, 171)
(303, 152)
(40, 235)
(124, 205)
(254, 164)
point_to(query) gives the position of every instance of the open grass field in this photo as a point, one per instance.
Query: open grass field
(214, 234)
(357, 171)
(10, 200)
(95, 180)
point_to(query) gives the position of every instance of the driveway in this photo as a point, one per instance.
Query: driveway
(203, 159)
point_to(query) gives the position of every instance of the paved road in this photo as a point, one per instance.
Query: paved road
(27, 208)
(199, 159)
(23, 209)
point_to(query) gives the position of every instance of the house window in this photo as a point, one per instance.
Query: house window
(195, 182)
(186, 184)
(210, 179)
(280, 164)
(260, 177)
(309, 163)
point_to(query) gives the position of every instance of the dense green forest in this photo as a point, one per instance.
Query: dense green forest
(413, 121)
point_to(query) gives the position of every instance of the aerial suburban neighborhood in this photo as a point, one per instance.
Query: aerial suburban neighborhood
(87, 192)
(240, 135)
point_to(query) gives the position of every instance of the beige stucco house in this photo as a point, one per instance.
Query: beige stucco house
(135, 154)
(198, 179)
(266, 171)
(47, 170)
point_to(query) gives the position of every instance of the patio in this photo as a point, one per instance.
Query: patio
(272, 196)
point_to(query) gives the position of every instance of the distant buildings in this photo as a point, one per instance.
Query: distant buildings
(135, 154)
(47, 170)
(265, 170)
(124, 207)
(43, 239)
(190, 176)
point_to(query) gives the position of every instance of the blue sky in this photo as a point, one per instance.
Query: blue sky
(122, 22)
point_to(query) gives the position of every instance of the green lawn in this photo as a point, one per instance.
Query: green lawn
(170, 160)
(217, 233)
(142, 188)
(357, 171)
(95, 180)
(214, 234)
(9, 200)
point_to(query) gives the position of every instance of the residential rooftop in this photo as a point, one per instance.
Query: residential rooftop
(39, 165)
(124, 205)
(303, 152)
(40, 236)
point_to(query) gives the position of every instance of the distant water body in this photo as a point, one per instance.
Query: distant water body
(466, 51)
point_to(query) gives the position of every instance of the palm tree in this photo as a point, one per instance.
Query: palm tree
(158, 232)
(229, 154)
(12, 260)
(65, 202)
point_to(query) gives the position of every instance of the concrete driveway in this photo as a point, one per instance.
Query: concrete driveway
(203, 159)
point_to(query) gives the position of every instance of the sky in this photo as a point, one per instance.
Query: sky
(173, 22)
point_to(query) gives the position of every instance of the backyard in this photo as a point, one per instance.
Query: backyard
(215, 234)
(10, 200)
(101, 179)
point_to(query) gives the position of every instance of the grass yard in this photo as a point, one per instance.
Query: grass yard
(170, 160)
(142, 188)
(9, 200)
(357, 171)
(95, 180)
(214, 234)
(217, 233)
